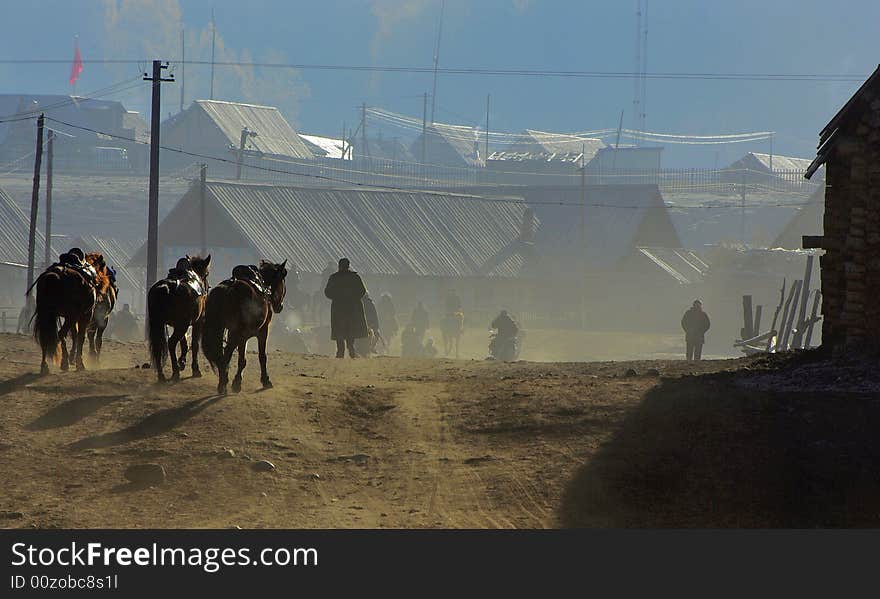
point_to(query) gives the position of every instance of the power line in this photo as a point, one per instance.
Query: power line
(491, 199)
(819, 77)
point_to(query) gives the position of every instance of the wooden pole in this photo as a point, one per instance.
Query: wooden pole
(790, 308)
(802, 313)
(35, 201)
(153, 197)
(748, 330)
(203, 191)
(425, 128)
(49, 153)
(813, 319)
(488, 96)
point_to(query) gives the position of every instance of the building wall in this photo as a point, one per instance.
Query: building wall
(851, 264)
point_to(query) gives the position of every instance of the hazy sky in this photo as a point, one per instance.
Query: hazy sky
(706, 36)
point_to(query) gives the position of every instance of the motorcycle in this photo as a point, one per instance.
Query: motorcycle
(504, 349)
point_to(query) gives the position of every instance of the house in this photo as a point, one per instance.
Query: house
(544, 154)
(415, 244)
(14, 233)
(625, 165)
(87, 128)
(382, 148)
(849, 148)
(328, 147)
(532, 141)
(449, 145)
(756, 167)
(216, 129)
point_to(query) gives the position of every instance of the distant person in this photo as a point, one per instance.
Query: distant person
(345, 289)
(429, 351)
(410, 343)
(453, 302)
(387, 316)
(505, 325)
(125, 325)
(695, 323)
(420, 320)
(504, 345)
(369, 344)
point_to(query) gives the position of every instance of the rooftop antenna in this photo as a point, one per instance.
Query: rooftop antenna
(637, 74)
(437, 59)
(213, 40)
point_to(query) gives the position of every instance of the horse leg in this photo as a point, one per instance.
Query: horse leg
(62, 338)
(223, 367)
(80, 342)
(262, 337)
(99, 338)
(176, 335)
(184, 349)
(90, 333)
(242, 362)
(196, 342)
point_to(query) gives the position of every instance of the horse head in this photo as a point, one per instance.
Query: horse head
(274, 275)
(103, 279)
(201, 266)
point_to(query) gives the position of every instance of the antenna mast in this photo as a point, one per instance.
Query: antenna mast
(437, 59)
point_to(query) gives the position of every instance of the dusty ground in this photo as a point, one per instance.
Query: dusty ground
(415, 443)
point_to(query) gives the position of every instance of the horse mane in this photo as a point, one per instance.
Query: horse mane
(201, 265)
(96, 259)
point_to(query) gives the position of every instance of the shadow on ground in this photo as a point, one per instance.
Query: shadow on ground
(702, 452)
(155, 424)
(13, 384)
(72, 411)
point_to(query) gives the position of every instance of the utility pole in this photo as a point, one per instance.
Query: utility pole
(488, 96)
(366, 150)
(182, 65)
(742, 233)
(343, 140)
(583, 212)
(437, 59)
(203, 191)
(213, 40)
(245, 134)
(35, 202)
(153, 206)
(49, 153)
(424, 128)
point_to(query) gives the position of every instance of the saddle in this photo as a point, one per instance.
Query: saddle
(74, 262)
(250, 274)
(189, 278)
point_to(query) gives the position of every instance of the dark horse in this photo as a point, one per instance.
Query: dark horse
(178, 302)
(245, 310)
(105, 301)
(63, 293)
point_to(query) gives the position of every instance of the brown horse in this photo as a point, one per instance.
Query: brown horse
(105, 301)
(63, 293)
(180, 304)
(243, 310)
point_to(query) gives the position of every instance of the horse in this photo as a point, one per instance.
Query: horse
(105, 301)
(452, 329)
(65, 293)
(180, 304)
(241, 309)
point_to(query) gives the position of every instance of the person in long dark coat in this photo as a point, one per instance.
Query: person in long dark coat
(347, 320)
(695, 323)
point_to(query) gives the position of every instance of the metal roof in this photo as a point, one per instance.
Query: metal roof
(450, 145)
(543, 142)
(759, 161)
(275, 136)
(14, 232)
(384, 232)
(324, 146)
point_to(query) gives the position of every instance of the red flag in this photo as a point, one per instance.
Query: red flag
(77, 66)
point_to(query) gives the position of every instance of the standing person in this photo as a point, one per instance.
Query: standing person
(387, 316)
(345, 289)
(419, 319)
(124, 326)
(695, 323)
(453, 302)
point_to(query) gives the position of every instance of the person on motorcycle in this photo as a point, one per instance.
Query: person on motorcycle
(507, 331)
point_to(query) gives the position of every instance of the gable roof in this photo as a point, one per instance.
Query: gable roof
(828, 133)
(807, 221)
(327, 147)
(14, 233)
(449, 145)
(544, 143)
(274, 136)
(383, 232)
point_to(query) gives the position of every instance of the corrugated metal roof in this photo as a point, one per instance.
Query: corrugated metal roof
(324, 146)
(14, 232)
(117, 254)
(450, 145)
(683, 265)
(543, 142)
(759, 161)
(382, 232)
(275, 136)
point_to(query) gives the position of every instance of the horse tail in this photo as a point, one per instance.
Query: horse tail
(213, 326)
(50, 291)
(157, 299)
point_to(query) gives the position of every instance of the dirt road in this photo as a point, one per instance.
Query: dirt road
(388, 442)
